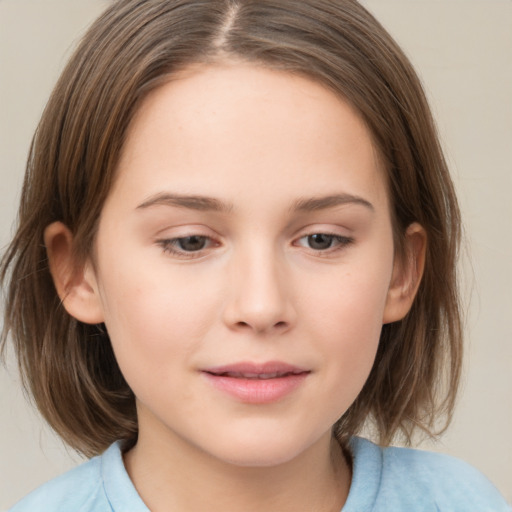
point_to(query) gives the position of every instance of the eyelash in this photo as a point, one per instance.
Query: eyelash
(341, 242)
(171, 245)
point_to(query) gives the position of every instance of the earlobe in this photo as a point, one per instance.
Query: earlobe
(75, 284)
(407, 274)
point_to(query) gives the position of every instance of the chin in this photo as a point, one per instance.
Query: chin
(261, 451)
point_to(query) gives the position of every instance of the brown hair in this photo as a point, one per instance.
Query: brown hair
(134, 47)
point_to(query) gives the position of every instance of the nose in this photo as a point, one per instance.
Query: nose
(260, 295)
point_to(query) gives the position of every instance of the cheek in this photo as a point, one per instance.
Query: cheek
(346, 322)
(351, 299)
(154, 316)
(352, 332)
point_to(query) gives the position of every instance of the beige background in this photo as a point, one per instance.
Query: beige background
(463, 51)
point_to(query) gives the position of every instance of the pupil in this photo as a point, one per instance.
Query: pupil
(192, 243)
(320, 241)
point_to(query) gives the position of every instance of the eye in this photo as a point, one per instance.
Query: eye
(187, 246)
(324, 241)
(191, 243)
(320, 241)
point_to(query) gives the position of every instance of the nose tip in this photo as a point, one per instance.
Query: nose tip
(260, 299)
(272, 313)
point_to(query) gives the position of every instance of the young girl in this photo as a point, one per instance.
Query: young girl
(236, 248)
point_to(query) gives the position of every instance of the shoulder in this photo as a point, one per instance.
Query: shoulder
(99, 485)
(423, 480)
(78, 489)
(451, 483)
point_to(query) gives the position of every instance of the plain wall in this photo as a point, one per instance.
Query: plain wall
(462, 49)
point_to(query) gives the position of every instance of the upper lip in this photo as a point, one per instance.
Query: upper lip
(246, 369)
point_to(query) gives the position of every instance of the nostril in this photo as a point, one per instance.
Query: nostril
(245, 325)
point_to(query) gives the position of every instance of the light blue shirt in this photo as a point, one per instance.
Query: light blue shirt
(384, 480)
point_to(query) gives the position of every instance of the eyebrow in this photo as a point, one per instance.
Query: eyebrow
(324, 202)
(192, 202)
(204, 203)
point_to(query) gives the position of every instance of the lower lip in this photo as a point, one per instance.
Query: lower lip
(257, 391)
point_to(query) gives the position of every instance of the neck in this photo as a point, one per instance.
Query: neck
(181, 477)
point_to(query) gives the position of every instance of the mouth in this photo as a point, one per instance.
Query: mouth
(256, 383)
(255, 376)
(247, 370)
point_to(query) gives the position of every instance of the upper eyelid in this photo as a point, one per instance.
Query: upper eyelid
(186, 229)
(339, 232)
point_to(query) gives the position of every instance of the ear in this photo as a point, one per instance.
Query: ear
(75, 284)
(407, 274)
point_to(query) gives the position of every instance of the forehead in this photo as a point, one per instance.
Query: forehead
(232, 128)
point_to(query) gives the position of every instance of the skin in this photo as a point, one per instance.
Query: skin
(263, 143)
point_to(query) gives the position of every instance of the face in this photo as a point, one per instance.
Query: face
(244, 263)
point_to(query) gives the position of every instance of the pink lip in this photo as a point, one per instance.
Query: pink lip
(256, 383)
